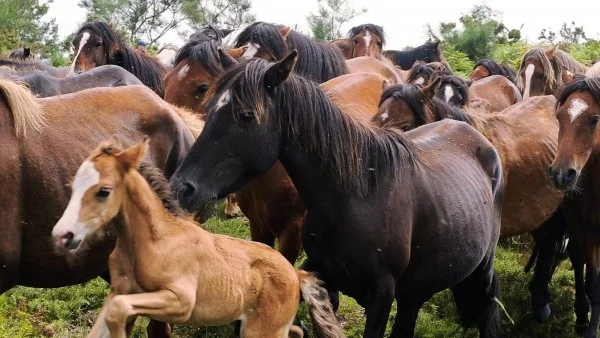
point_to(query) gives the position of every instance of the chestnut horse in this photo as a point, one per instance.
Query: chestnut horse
(97, 44)
(484, 68)
(378, 204)
(489, 94)
(544, 70)
(43, 142)
(530, 200)
(575, 169)
(166, 267)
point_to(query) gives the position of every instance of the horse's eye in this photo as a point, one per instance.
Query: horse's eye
(201, 89)
(103, 193)
(247, 116)
(98, 43)
(406, 127)
(595, 120)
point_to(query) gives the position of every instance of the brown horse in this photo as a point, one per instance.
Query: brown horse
(422, 73)
(575, 169)
(97, 44)
(378, 67)
(490, 94)
(484, 68)
(166, 267)
(530, 199)
(544, 70)
(367, 40)
(43, 143)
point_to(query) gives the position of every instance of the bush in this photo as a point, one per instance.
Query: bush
(459, 62)
(587, 53)
(510, 54)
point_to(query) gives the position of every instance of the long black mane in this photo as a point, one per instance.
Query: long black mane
(358, 157)
(494, 68)
(203, 52)
(421, 68)
(377, 30)
(580, 83)
(146, 68)
(318, 62)
(428, 52)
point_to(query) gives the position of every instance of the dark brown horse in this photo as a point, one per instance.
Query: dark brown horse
(43, 141)
(380, 213)
(366, 40)
(575, 169)
(422, 73)
(428, 52)
(544, 70)
(486, 67)
(97, 44)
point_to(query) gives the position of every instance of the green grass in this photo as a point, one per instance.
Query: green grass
(71, 311)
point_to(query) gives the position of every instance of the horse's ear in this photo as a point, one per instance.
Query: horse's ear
(226, 31)
(226, 60)
(280, 71)
(133, 156)
(26, 52)
(385, 84)
(416, 63)
(285, 30)
(436, 43)
(432, 88)
(550, 52)
(237, 53)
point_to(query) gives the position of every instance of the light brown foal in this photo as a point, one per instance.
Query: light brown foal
(166, 267)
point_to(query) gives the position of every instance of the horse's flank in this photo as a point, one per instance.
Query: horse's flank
(26, 111)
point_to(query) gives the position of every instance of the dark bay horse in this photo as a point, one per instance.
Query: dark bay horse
(44, 85)
(97, 44)
(422, 73)
(575, 169)
(43, 143)
(383, 222)
(544, 70)
(317, 61)
(487, 67)
(530, 200)
(428, 52)
(489, 94)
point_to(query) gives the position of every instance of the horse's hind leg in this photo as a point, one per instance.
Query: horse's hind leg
(290, 240)
(549, 239)
(378, 305)
(406, 316)
(582, 306)
(476, 297)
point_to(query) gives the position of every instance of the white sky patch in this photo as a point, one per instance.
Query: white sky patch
(182, 73)
(86, 177)
(448, 92)
(367, 38)
(251, 50)
(528, 73)
(223, 100)
(578, 106)
(84, 38)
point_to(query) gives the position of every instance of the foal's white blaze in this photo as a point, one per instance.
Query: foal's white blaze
(251, 50)
(577, 107)
(419, 80)
(86, 177)
(82, 42)
(223, 100)
(183, 72)
(448, 93)
(528, 73)
(367, 38)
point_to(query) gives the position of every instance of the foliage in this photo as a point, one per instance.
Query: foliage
(587, 53)
(229, 14)
(22, 25)
(569, 34)
(510, 53)
(459, 62)
(325, 25)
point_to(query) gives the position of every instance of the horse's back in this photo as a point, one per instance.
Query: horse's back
(356, 94)
(497, 90)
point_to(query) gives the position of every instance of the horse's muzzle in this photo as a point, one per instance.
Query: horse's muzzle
(563, 178)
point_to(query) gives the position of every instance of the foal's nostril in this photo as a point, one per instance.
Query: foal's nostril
(570, 176)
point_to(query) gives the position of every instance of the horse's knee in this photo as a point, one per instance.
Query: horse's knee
(116, 313)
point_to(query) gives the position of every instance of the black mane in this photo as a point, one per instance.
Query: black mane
(158, 182)
(460, 84)
(428, 52)
(498, 69)
(204, 52)
(318, 62)
(421, 68)
(378, 30)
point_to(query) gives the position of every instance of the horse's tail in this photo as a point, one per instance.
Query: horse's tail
(321, 312)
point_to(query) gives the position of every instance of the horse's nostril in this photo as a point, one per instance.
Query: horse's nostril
(68, 239)
(187, 190)
(571, 175)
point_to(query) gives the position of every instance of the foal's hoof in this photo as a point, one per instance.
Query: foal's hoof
(542, 314)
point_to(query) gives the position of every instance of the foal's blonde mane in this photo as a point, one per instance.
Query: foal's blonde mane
(26, 111)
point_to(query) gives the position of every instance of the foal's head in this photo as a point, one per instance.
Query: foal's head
(97, 193)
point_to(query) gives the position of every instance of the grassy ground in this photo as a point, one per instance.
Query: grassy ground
(71, 311)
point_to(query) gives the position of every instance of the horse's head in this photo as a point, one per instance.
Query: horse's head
(578, 113)
(98, 191)
(422, 73)
(241, 137)
(94, 45)
(454, 90)
(367, 40)
(479, 72)
(406, 106)
(264, 40)
(543, 71)
(197, 65)
(345, 45)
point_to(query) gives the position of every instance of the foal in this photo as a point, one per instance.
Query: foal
(167, 268)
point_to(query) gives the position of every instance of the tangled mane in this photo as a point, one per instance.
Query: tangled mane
(593, 71)
(358, 157)
(422, 105)
(145, 67)
(494, 68)
(580, 83)
(428, 52)
(154, 176)
(318, 62)
(26, 111)
(377, 30)
(421, 68)
(551, 66)
(461, 85)
(204, 52)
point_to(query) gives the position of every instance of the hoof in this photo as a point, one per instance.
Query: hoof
(542, 314)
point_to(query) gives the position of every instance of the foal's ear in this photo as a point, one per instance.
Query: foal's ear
(285, 30)
(280, 71)
(133, 156)
(432, 88)
(226, 60)
(385, 84)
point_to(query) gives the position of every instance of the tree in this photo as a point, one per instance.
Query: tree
(572, 33)
(332, 14)
(547, 35)
(230, 14)
(21, 25)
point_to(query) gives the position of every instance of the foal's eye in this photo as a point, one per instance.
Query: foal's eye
(595, 120)
(247, 116)
(103, 193)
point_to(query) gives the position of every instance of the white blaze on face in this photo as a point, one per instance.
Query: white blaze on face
(419, 80)
(86, 177)
(448, 92)
(84, 38)
(367, 38)
(528, 73)
(578, 106)
(384, 116)
(223, 100)
(183, 72)
(251, 50)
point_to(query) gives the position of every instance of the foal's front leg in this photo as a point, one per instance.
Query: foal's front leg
(164, 305)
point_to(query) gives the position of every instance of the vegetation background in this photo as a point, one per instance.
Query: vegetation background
(478, 34)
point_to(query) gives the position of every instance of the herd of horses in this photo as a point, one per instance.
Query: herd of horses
(396, 177)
